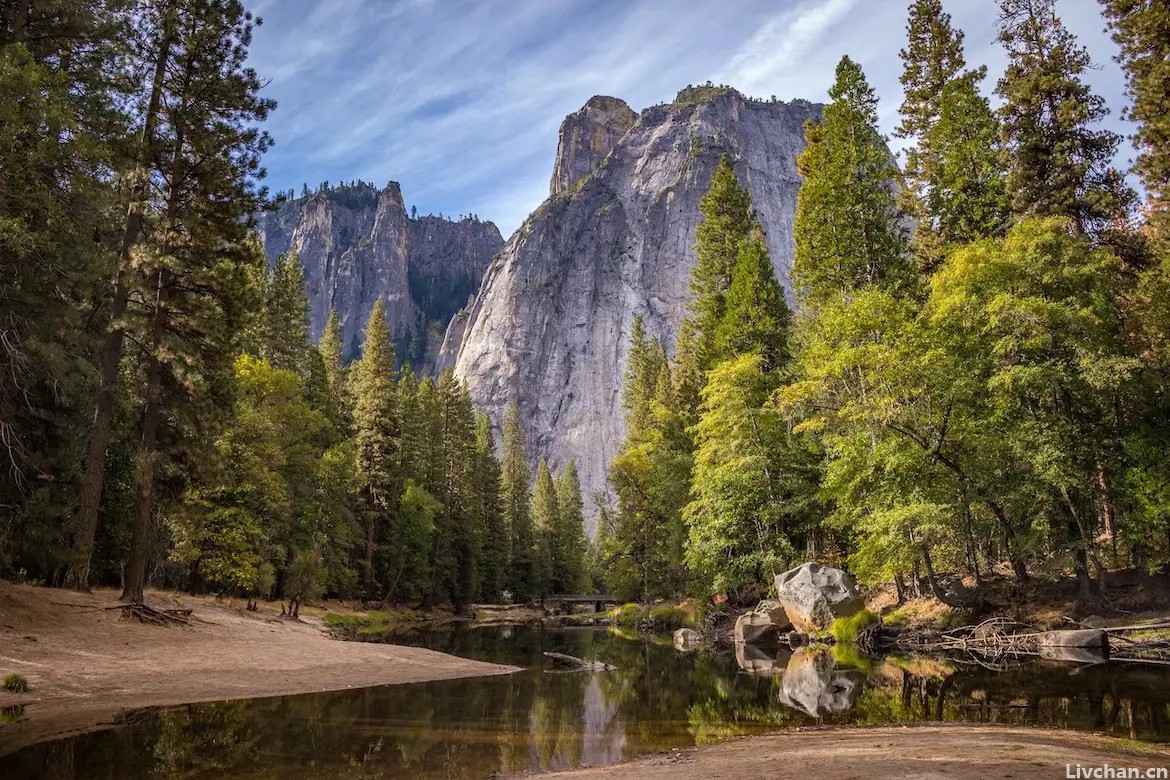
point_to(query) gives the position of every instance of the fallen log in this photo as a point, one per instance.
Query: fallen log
(578, 664)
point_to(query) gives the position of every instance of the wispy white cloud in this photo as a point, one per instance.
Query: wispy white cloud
(460, 100)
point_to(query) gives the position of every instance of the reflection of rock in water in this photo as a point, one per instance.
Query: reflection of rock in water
(755, 660)
(813, 684)
(603, 738)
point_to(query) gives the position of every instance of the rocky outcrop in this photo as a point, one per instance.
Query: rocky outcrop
(814, 596)
(550, 326)
(357, 244)
(586, 138)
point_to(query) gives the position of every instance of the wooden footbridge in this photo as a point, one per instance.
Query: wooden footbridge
(599, 601)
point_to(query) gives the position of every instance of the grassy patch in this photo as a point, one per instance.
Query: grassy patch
(895, 618)
(658, 616)
(372, 623)
(12, 714)
(15, 683)
(847, 629)
(849, 655)
(628, 615)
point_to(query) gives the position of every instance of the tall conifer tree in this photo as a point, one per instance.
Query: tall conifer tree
(847, 230)
(1142, 29)
(1059, 159)
(377, 427)
(515, 497)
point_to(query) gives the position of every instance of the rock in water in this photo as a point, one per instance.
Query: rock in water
(550, 326)
(762, 624)
(754, 660)
(357, 244)
(814, 596)
(813, 683)
(687, 639)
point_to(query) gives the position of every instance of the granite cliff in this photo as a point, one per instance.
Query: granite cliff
(357, 244)
(549, 328)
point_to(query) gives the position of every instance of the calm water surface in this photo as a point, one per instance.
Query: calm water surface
(657, 699)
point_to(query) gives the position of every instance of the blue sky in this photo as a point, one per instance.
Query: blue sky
(460, 100)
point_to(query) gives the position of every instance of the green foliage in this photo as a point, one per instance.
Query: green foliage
(1142, 30)
(847, 629)
(756, 318)
(967, 199)
(15, 683)
(847, 229)
(1059, 164)
(515, 498)
(748, 496)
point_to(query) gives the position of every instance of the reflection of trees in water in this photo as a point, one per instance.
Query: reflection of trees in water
(655, 700)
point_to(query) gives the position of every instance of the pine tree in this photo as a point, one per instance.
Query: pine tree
(334, 354)
(638, 394)
(545, 521)
(726, 220)
(193, 273)
(570, 542)
(756, 319)
(495, 531)
(514, 495)
(377, 427)
(61, 112)
(967, 199)
(932, 58)
(1142, 29)
(455, 561)
(847, 226)
(158, 30)
(283, 327)
(1058, 161)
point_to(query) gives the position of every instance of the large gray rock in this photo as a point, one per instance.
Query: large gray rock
(756, 661)
(357, 244)
(814, 596)
(550, 326)
(813, 683)
(762, 624)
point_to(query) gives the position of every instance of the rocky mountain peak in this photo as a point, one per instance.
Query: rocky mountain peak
(586, 137)
(357, 244)
(549, 329)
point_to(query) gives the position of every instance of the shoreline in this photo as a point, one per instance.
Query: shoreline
(953, 751)
(87, 667)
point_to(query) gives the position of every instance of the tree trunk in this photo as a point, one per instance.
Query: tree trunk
(1108, 519)
(368, 563)
(85, 519)
(1009, 542)
(135, 578)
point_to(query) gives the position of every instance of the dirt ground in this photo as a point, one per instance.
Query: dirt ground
(913, 753)
(85, 665)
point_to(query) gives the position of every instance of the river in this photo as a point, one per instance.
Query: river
(657, 699)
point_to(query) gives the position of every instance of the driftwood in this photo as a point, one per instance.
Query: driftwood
(1000, 637)
(157, 617)
(574, 663)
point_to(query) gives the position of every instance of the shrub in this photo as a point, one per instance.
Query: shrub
(627, 614)
(15, 683)
(847, 629)
(670, 616)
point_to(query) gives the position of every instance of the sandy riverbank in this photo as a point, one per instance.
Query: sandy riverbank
(955, 752)
(85, 666)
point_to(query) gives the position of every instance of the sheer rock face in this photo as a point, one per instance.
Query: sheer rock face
(586, 138)
(550, 326)
(357, 244)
